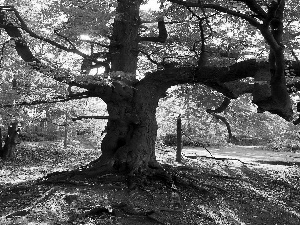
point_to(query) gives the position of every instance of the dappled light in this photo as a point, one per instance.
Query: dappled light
(150, 112)
(212, 190)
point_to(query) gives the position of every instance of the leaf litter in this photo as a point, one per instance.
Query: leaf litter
(205, 191)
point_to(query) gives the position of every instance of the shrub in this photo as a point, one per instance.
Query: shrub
(39, 136)
(287, 145)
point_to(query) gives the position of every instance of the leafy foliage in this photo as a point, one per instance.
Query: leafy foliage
(198, 127)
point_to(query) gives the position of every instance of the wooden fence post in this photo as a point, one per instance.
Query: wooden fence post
(179, 139)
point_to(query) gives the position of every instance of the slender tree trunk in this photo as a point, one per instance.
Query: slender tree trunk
(0, 140)
(66, 131)
(179, 140)
(8, 150)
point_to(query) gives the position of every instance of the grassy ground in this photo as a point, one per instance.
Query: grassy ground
(205, 191)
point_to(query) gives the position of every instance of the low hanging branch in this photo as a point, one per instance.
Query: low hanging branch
(221, 109)
(162, 32)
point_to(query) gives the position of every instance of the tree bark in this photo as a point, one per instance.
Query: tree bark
(124, 41)
(129, 144)
(272, 29)
(8, 151)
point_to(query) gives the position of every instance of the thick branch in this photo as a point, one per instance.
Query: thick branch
(214, 77)
(162, 33)
(224, 120)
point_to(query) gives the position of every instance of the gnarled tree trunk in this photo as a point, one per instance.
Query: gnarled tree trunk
(129, 144)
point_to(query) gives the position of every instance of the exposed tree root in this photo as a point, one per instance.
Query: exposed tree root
(173, 178)
(123, 209)
(106, 174)
(26, 211)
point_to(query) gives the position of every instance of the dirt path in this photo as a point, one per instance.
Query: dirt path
(247, 154)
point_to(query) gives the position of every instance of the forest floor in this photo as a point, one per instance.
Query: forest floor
(238, 185)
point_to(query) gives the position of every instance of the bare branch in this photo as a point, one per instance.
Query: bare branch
(32, 34)
(96, 43)
(34, 63)
(149, 57)
(295, 56)
(50, 101)
(65, 38)
(94, 117)
(219, 8)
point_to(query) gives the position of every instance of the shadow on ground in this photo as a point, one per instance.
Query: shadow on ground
(280, 163)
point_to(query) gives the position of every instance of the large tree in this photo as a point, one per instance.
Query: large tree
(116, 45)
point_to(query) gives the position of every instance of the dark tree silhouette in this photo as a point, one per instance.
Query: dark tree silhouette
(129, 144)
